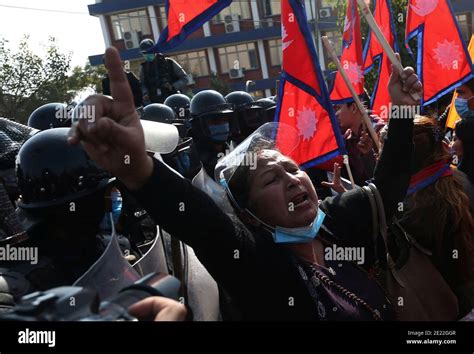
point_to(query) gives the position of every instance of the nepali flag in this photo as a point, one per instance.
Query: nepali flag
(303, 98)
(443, 59)
(374, 53)
(351, 59)
(185, 17)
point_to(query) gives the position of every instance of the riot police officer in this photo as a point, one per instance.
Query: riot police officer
(210, 127)
(160, 76)
(247, 116)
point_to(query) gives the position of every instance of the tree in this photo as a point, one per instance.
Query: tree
(28, 80)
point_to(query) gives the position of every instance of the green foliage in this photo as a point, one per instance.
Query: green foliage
(28, 80)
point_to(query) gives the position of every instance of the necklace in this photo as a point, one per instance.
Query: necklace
(323, 278)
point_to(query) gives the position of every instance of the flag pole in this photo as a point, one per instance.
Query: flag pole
(356, 98)
(348, 168)
(383, 41)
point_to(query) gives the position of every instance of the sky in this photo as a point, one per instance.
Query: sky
(76, 32)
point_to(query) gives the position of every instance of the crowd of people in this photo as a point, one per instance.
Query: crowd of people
(226, 212)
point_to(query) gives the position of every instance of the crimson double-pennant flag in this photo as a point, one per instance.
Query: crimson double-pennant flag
(351, 58)
(443, 60)
(374, 53)
(303, 98)
(185, 17)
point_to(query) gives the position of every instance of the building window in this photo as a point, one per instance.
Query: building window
(271, 7)
(163, 18)
(465, 25)
(194, 63)
(242, 56)
(275, 51)
(241, 8)
(131, 27)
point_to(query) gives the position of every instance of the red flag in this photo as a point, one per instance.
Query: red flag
(303, 100)
(185, 17)
(443, 60)
(351, 59)
(374, 52)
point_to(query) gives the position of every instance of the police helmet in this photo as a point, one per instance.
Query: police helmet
(51, 172)
(158, 112)
(146, 45)
(51, 115)
(180, 104)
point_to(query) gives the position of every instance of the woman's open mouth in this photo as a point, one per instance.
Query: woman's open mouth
(300, 200)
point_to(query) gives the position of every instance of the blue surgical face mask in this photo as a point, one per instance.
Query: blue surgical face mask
(219, 133)
(149, 57)
(301, 234)
(462, 107)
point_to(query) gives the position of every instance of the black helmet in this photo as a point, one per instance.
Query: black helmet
(51, 172)
(158, 112)
(269, 108)
(146, 45)
(240, 100)
(51, 115)
(209, 102)
(180, 104)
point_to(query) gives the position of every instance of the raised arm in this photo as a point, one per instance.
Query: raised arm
(115, 141)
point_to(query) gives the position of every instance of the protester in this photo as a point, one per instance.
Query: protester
(464, 147)
(359, 145)
(439, 195)
(294, 281)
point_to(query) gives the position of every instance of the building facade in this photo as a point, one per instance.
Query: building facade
(239, 48)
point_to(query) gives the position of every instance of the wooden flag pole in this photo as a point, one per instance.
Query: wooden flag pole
(383, 41)
(359, 104)
(348, 168)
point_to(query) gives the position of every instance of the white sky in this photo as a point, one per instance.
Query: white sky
(79, 33)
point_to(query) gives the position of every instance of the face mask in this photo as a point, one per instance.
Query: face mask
(300, 234)
(462, 107)
(116, 198)
(149, 57)
(219, 133)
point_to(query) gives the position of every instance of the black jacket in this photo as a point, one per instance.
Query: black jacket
(259, 274)
(134, 85)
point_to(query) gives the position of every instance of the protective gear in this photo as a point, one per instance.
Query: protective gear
(206, 106)
(463, 108)
(185, 159)
(209, 102)
(219, 133)
(180, 104)
(268, 109)
(146, 45)
(300, 234)
(158, 112)
(149, 57)
(51, 115)
(51, 172)
(240, 100)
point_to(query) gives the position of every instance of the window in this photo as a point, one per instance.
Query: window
(465, 25)
(241, 8)
(131, 26)
(194, 63)
(163, 18)
(242, 56)
(271, 7)
(275, 51)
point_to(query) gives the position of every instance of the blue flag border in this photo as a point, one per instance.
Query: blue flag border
(323, 98)
(163, 45)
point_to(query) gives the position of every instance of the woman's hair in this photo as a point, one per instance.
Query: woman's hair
(443, 204)
(465, 132)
